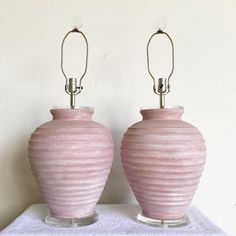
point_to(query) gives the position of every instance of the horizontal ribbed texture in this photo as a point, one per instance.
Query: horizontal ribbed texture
(71, 158)
(163, 158)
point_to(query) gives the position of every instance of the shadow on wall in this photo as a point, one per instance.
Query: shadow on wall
(18, 188)
(117, 189)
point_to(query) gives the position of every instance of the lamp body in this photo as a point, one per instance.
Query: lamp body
(163, 158)
(71, 157)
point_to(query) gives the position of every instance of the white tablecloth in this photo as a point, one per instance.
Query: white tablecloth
(114, 219)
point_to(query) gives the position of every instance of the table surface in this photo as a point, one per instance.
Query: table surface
(114, 219)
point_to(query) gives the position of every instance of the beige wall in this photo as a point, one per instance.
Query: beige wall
(117, 85)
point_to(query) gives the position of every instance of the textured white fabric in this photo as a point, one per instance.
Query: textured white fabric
(114, 219)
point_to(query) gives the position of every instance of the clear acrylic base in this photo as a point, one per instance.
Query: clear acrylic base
(163, 223)
(71, 222)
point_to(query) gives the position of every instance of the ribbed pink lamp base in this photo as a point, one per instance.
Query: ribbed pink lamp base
(163, 158)
(71, 157)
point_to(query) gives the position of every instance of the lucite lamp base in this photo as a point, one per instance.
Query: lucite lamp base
(163, 223)
(71, 222)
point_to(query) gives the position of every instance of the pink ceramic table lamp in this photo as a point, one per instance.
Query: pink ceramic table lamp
(163, 157)
(71, 157)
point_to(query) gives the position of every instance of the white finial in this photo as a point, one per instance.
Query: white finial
(161, 23)
(76, 22)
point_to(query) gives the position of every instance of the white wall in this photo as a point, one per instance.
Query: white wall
(117, 85)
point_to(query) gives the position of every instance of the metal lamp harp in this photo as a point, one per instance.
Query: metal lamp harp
(162, 87)
(71, 86)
